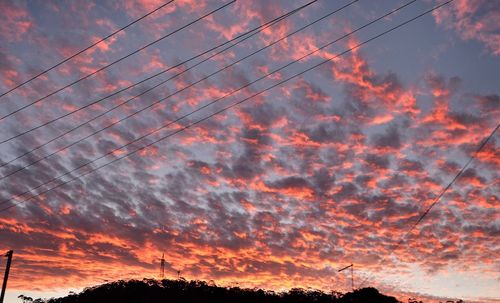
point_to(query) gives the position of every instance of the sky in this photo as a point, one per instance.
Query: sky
(330, 168)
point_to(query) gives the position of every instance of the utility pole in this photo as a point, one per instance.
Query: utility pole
(6, 275)
(352, 274)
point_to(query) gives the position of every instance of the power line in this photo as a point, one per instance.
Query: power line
(253, 32)
(178, 91)
(130, 115)
(438, 198)
(85, 49)
(223, 109)
(234, 91)
(116, 61)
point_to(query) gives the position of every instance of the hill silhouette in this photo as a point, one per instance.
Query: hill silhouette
(150, 290)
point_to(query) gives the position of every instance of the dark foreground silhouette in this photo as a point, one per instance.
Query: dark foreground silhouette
(149, 290)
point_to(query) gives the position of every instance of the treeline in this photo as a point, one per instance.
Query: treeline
(182, 291)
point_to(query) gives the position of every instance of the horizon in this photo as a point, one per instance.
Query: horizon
(193, 291)
(376, 151)
(229, 285)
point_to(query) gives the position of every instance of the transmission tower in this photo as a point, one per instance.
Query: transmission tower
(162, 267)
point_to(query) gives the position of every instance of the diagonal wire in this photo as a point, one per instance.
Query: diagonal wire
(181, 90)
(227, 107)
(116, 61)
(438, 198)
(85, 49)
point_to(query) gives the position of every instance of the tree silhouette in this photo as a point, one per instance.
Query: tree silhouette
(182, 291)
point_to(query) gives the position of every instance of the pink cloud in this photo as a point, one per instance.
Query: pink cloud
(17, 21)
(473, 20)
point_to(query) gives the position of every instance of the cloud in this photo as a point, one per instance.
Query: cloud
(17, 21)
(331, 168)
(477, 20)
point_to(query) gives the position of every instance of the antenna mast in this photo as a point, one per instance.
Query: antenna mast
(352, 274)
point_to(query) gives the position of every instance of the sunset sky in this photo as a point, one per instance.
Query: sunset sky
(330, 168)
